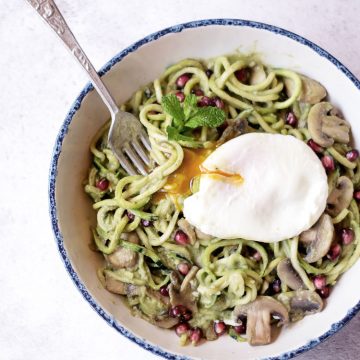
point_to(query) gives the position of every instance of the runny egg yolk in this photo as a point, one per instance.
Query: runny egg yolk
(178, 183)
(215, 174)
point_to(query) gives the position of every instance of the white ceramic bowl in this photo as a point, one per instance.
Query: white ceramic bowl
(71, 212)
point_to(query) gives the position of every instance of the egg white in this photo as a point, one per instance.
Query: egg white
(283, 193)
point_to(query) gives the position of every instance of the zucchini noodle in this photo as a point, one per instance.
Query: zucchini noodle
(138, 216)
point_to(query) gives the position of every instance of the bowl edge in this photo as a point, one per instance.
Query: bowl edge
(156, 350)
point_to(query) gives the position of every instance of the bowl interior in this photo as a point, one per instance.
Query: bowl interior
(142, 65)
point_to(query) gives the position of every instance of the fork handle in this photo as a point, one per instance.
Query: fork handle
(48, 10)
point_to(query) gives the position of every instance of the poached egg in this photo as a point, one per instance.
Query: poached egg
(261, 187)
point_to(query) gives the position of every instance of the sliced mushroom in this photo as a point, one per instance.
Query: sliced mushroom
(340, 197)
(115, 286)
(159, 314)
(336, 112)
(121, 288)
(183, 294)
(301, 303)
(318, 239)
(288, 275)
(312, 91)
(175, 280)
(259, 312)
(185, 226)
(235, 128)
(326, 128)
(154, 308)
(165, 322)
(124, 258)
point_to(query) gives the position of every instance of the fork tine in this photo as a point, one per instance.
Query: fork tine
(135, 159)
(145, 139)
(126, 164)
(140, 151)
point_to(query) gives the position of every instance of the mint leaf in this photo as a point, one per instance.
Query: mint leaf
(174, 134)
(188, 116)
(187, 141)
(171, 106)
(207, 116)
(190, 105)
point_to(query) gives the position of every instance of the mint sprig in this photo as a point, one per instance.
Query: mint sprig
(171, 106)
(189, 116)
(174, 134)
(206, 116)
(187, 141)
(190, 105)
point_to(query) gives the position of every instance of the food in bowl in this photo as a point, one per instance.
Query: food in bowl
(248, 215)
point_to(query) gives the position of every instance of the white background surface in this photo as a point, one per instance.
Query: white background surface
(42, 315)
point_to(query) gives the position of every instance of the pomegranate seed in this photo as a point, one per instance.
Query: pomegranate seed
(173, 312)
(291, 119)
(352, 155)
(180, 95)
(240, 329)
(328, 163)
(334, 252)
(205, 101)
(208, 72)
(357, 195)
(198, 92)
(183, 268)
(319, 281)
(146, 223)
(182, 329)
(181, 238)
(257, 256)
(276, 286)
(102, 184)
(316, 147)
(347, 236)
(195, 335)
(178, 310)
(220, 328)
(243, 75)
(164, 291)
(183, 310)
(324, 292)
(130, 216)
(218, 103)
(187, 316)
(182, 80)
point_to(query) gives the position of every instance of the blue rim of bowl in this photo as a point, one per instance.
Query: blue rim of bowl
(64, 129)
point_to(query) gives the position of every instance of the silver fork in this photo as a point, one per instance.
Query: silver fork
(127, 137)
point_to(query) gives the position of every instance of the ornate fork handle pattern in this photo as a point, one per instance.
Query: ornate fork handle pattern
(48, 10)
